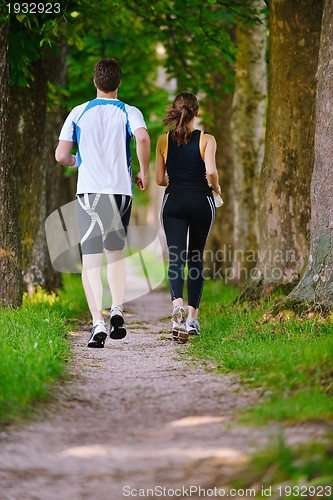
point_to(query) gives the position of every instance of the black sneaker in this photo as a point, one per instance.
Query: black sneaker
(117, 322)
(98, 335)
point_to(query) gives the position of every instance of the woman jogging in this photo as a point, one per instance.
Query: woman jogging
(185, 163)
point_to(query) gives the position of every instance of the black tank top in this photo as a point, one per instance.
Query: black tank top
(185, 166)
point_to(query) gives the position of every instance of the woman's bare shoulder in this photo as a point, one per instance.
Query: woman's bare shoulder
(161, 141)
(208, 139)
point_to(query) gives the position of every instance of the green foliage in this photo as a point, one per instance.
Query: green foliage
(24, 49)
(56, 96)
(29, 31)
(34, 347)
(195, 33)
(291, 472)
(196, 36)
(289, 360)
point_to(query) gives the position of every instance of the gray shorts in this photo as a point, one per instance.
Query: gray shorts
(103, 221)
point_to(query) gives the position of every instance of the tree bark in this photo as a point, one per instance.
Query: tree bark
(57, 189)
(28, 111)
(247, 127)
(316, 286)
(220, 244)
(10, 240)
(284, 188)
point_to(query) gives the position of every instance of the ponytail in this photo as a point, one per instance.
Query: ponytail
(180, 114)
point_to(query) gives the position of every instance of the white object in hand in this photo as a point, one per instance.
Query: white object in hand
(217, 199)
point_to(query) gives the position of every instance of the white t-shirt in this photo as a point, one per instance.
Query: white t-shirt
(102, 129)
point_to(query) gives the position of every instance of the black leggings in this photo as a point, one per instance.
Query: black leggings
(187, 213)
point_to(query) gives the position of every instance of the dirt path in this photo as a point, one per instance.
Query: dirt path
(138, 415)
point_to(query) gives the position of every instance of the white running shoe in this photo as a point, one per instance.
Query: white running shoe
(179, 332)
(98, 335)
(192, 326)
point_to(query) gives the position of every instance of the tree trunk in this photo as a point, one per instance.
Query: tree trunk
(219, 248)
(10, 240)
(247, 126)
(316, 286)
(28, 111)
(57, 191)
(284, 189)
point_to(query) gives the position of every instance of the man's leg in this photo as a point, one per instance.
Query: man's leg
(114, 244)
(116, 275)
(92, 284)
(93, 288)
(91, 230)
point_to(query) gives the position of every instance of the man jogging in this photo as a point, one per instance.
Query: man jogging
(101, 129)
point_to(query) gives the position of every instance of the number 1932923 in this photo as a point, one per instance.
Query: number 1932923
(305, 491)
(33, 8)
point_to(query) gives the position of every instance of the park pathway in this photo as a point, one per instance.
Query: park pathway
(139, 419)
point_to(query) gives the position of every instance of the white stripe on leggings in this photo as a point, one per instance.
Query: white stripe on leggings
(166, 196)
(213, 209)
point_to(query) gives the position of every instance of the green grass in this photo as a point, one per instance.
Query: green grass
(291, 361)
(34, 347)
(72, 301)
(305, 470)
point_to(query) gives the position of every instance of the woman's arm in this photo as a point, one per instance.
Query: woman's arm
(210, 162)
(161, 176)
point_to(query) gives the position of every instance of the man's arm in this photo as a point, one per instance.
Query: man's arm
(143, 152)
(63, 154)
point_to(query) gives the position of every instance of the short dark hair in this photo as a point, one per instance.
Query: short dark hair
(107, 75)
